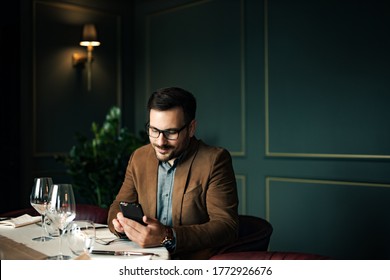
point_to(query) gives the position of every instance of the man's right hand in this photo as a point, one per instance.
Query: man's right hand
(117, 225)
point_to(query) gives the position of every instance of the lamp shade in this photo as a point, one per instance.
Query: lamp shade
(89, 36)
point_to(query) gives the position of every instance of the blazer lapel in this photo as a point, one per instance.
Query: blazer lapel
(151, 184)
(180, 182)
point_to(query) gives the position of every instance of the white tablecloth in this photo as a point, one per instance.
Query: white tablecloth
(25, 234)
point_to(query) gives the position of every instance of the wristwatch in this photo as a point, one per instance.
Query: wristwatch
(169, 241)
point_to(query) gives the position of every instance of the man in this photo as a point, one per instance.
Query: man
(186, 188)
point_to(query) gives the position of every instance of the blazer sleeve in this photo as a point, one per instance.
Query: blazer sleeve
(127, 193)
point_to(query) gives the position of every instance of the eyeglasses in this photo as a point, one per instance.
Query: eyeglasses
(170, 134)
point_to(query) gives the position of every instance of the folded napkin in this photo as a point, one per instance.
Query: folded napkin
(105, 233)
(20, 221)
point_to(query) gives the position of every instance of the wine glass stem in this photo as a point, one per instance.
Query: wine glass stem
(43, 228)
(60, 255)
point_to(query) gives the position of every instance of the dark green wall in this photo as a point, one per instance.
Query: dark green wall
(297, 91)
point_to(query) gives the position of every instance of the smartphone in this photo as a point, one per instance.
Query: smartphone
(132, 211)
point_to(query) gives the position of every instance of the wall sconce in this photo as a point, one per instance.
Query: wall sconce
(89, 40)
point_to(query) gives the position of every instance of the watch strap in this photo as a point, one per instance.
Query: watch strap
(169, 241)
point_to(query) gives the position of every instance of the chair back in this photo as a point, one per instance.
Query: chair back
(254, 235)
(91, 212)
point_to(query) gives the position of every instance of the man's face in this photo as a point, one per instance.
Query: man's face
(173, 119)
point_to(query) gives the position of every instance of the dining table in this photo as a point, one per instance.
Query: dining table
(18, 244)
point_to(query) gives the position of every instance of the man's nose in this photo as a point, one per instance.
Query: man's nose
(161, 139)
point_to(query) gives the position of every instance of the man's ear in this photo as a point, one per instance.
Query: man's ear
(192, 128)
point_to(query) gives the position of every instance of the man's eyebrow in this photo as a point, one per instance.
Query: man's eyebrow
(164, 129)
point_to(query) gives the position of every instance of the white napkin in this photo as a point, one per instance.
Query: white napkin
(20, 221)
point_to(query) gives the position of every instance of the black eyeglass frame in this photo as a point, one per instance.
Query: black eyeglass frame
(166, 133)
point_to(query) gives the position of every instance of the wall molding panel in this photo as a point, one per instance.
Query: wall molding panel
(242, 190)
(303, 181)
(342, 215)
(316, 106)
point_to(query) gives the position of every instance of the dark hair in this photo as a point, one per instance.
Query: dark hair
(167, 98)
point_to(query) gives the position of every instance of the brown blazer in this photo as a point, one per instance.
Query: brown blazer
(204, 198)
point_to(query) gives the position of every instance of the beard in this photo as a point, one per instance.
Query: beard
(168, 152)
(165, 152)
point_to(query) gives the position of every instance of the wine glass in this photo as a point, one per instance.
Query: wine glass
(50, 228)
(81, 237)
(61, 209)
(38, 199)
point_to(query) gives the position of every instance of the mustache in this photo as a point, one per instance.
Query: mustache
(164, 147)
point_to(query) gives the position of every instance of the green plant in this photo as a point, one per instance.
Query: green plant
(97, 166)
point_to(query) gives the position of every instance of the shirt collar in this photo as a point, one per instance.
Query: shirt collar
(166, 164)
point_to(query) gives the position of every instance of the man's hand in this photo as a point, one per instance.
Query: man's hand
(150, 235)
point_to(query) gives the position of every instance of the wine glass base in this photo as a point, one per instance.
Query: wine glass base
(59, 257)
(42, 238)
